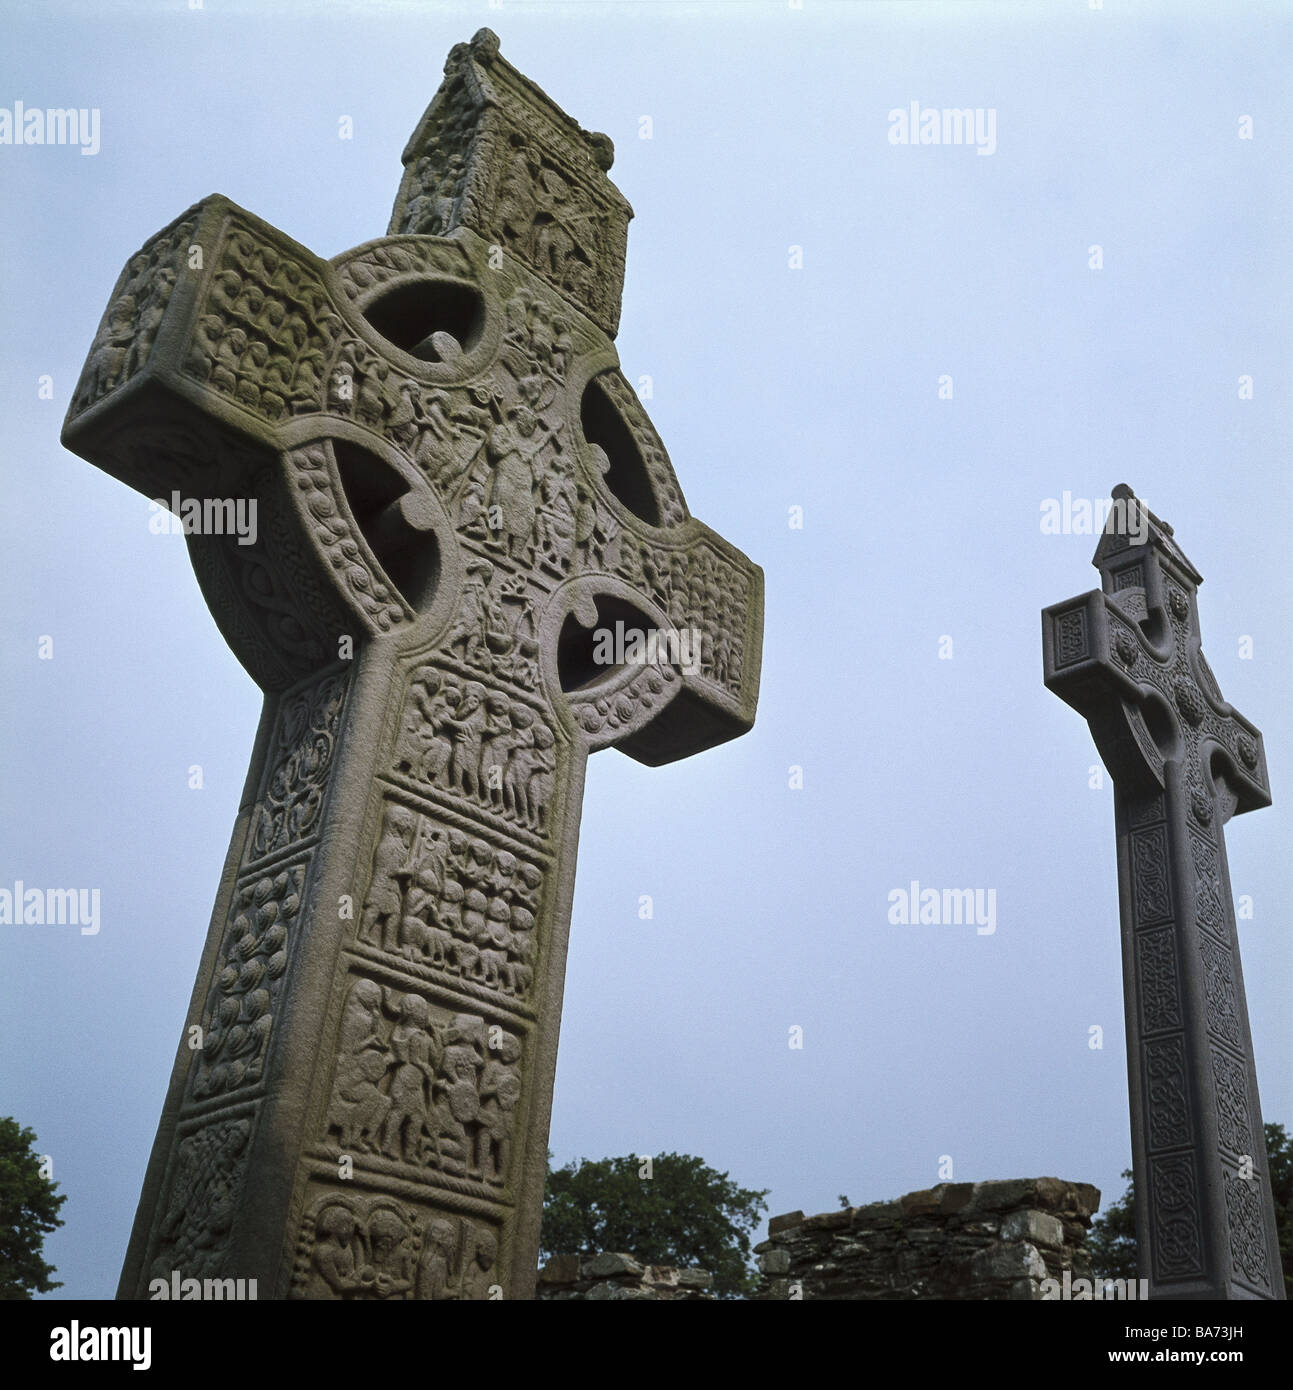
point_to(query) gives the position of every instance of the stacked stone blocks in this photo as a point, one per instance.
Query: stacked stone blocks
(971, 1241)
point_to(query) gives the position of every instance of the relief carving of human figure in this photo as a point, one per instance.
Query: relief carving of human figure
(553, 241)
(385, 904)
(389, 1240)
(335, 1270)
(478, 1278)
(495, 734)
(512, 451)
(467, 726)
(557, 520)
(415, 1049)
(459, 1106)
(435, 1268)
(516, 197)
(500, 1090)
(424, 748)
(359, 1110)
(471, 625)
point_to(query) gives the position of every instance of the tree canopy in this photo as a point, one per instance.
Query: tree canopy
(671, 1209)
(1112, 1239)
(29, 1206)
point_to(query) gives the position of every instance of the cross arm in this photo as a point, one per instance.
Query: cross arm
(212, 378)
(1128, 657)
(686, 699)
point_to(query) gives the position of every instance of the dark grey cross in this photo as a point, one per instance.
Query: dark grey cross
(1128, 658)
(457, 495)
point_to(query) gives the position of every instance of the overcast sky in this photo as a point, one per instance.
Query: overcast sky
(902, 658)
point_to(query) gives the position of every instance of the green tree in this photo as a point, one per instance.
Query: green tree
(683, 1214)
(28, 1213)
(1279, 1158)
(1112, 1241)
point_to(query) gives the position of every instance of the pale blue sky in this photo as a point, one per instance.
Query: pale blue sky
(773, 387)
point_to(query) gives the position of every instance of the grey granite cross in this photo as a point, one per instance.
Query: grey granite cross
(1183, 761)
(455, 491)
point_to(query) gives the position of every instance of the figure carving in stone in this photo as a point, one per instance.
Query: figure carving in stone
(500, 1090)
(459, 1105)
(478, 1277)
(516, 196)
(370, 398)
(390, 863)
(335, 1270)
(402, 423)
(470, 627)
(435, 1268)
(556, 530)
(466, 726)
(414, 1048)
(494, 747)
(390, 1242)
(512, 450)
(359, 1110)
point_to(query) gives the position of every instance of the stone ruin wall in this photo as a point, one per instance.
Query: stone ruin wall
(616, 1278)
(963, 1240)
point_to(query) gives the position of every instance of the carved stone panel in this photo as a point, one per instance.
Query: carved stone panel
(1234, 1124)
(1247, 1240)
(1071, 643)
(454, 904)
(1174, 1215)
(265, 326)
(360, 1246)
(1145, 810)
(308, 726)
(239, 1015)
(193, 1232)
(702, 593)
(1220, 993)
(1159, 990)
(1166, 1093)
(1210, 907)
(421, 1088)
(1151, 890)
(134, 314)
(478, 743)
(493, 154)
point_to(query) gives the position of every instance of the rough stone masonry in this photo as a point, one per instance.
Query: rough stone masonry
(1018, 1239)
(454, 488)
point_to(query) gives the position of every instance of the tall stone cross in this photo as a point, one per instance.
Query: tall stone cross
(455, 492)
(1128, 657)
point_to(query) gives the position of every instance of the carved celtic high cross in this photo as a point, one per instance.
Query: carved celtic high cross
(1183, 761)
(455, 488)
